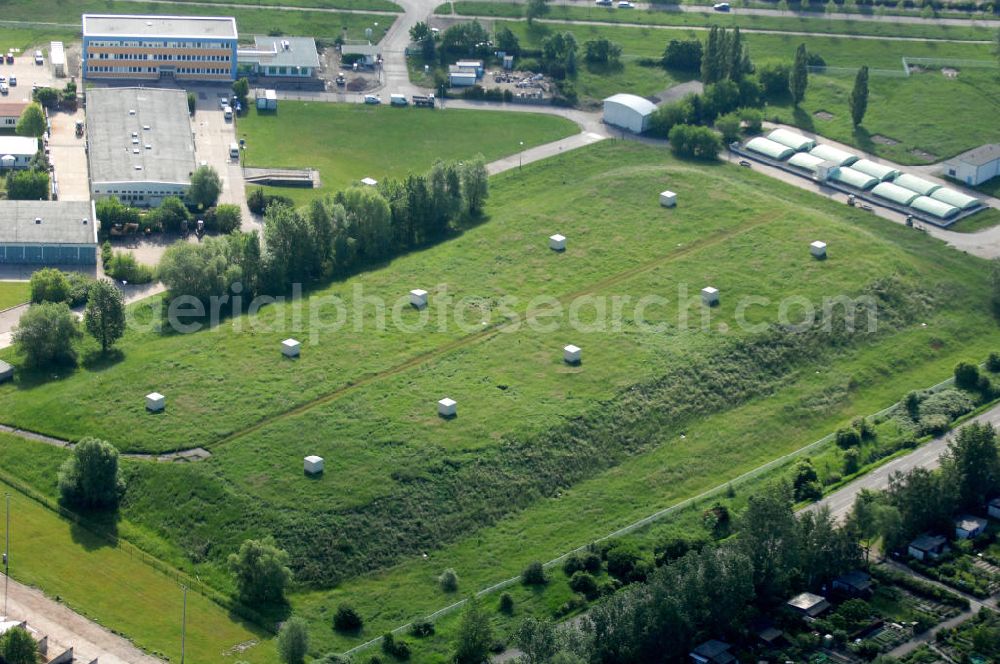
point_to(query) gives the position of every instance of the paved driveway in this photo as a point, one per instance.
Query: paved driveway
(213, 135)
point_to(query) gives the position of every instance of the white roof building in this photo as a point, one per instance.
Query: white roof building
(628, 112)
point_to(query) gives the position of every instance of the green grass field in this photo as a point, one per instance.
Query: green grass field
(13, 293)
(109, 585)
(543, 457)
(347, 142)
(361, 5)
(906, 110)
(260, 20)
(709, 18)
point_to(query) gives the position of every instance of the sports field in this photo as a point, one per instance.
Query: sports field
(543, 456)
(348, 142)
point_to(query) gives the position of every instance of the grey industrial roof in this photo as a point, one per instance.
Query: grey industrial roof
(984, 154)
(301, 51)
(132, 25)
(114, 114)
(62, 222)
(638, 104)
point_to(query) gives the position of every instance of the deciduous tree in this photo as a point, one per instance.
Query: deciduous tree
(799, 80)
(104, 316)
(31, 122)
(261, 571)
(90, 477)
(45, 334)
(858, 99)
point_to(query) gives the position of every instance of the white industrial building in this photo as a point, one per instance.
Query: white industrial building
(183, 48)
(280, 57)
(792, 139)
(17, 151)
(628, 112)
(975, 166)
(140, 144)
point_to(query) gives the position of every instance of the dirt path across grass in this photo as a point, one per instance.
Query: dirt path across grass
(68, 629)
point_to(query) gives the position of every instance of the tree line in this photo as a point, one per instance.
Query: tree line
(332, 237)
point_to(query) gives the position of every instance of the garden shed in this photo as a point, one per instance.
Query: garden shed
(769, 148)
(835, 155)
(956, 198)
(876, 170)
(934, 207)
(792, 139)
(913, 183)
(894, 193)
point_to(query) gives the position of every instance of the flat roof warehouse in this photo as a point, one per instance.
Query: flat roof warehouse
(47, 222)
(190, 27)
(139, 135)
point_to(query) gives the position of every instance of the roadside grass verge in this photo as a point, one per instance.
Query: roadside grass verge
(978, 222)
(655, 16)
(13, 293)
(353, 5)
(348, 142)
(252, 19)
(107, 585)
(16, 36)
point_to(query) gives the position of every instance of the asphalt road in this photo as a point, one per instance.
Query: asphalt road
(926, 456)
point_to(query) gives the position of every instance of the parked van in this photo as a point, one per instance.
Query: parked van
(234, 151)
(227, 113)
(38, 58)
(398, 100)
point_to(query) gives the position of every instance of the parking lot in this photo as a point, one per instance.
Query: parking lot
(213, 135)
(66, 151)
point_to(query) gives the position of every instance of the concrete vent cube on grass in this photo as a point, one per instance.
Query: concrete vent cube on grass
(290, 348)
(418, 298)
(557, 242)
(447, 407)
(155, 402)
(818, 249)
(313, 465)
(709, 296)
(572, 354)
(668, 198)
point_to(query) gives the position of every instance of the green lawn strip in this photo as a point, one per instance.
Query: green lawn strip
(865, 10)
(109, 585)
(353, 5)
(25, 38)
(978, 222)
(747, 21)
(322, 25)
(348, 142)
(13, 293)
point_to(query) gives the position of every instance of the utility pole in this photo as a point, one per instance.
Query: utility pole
(6, 559)
(184, 613)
